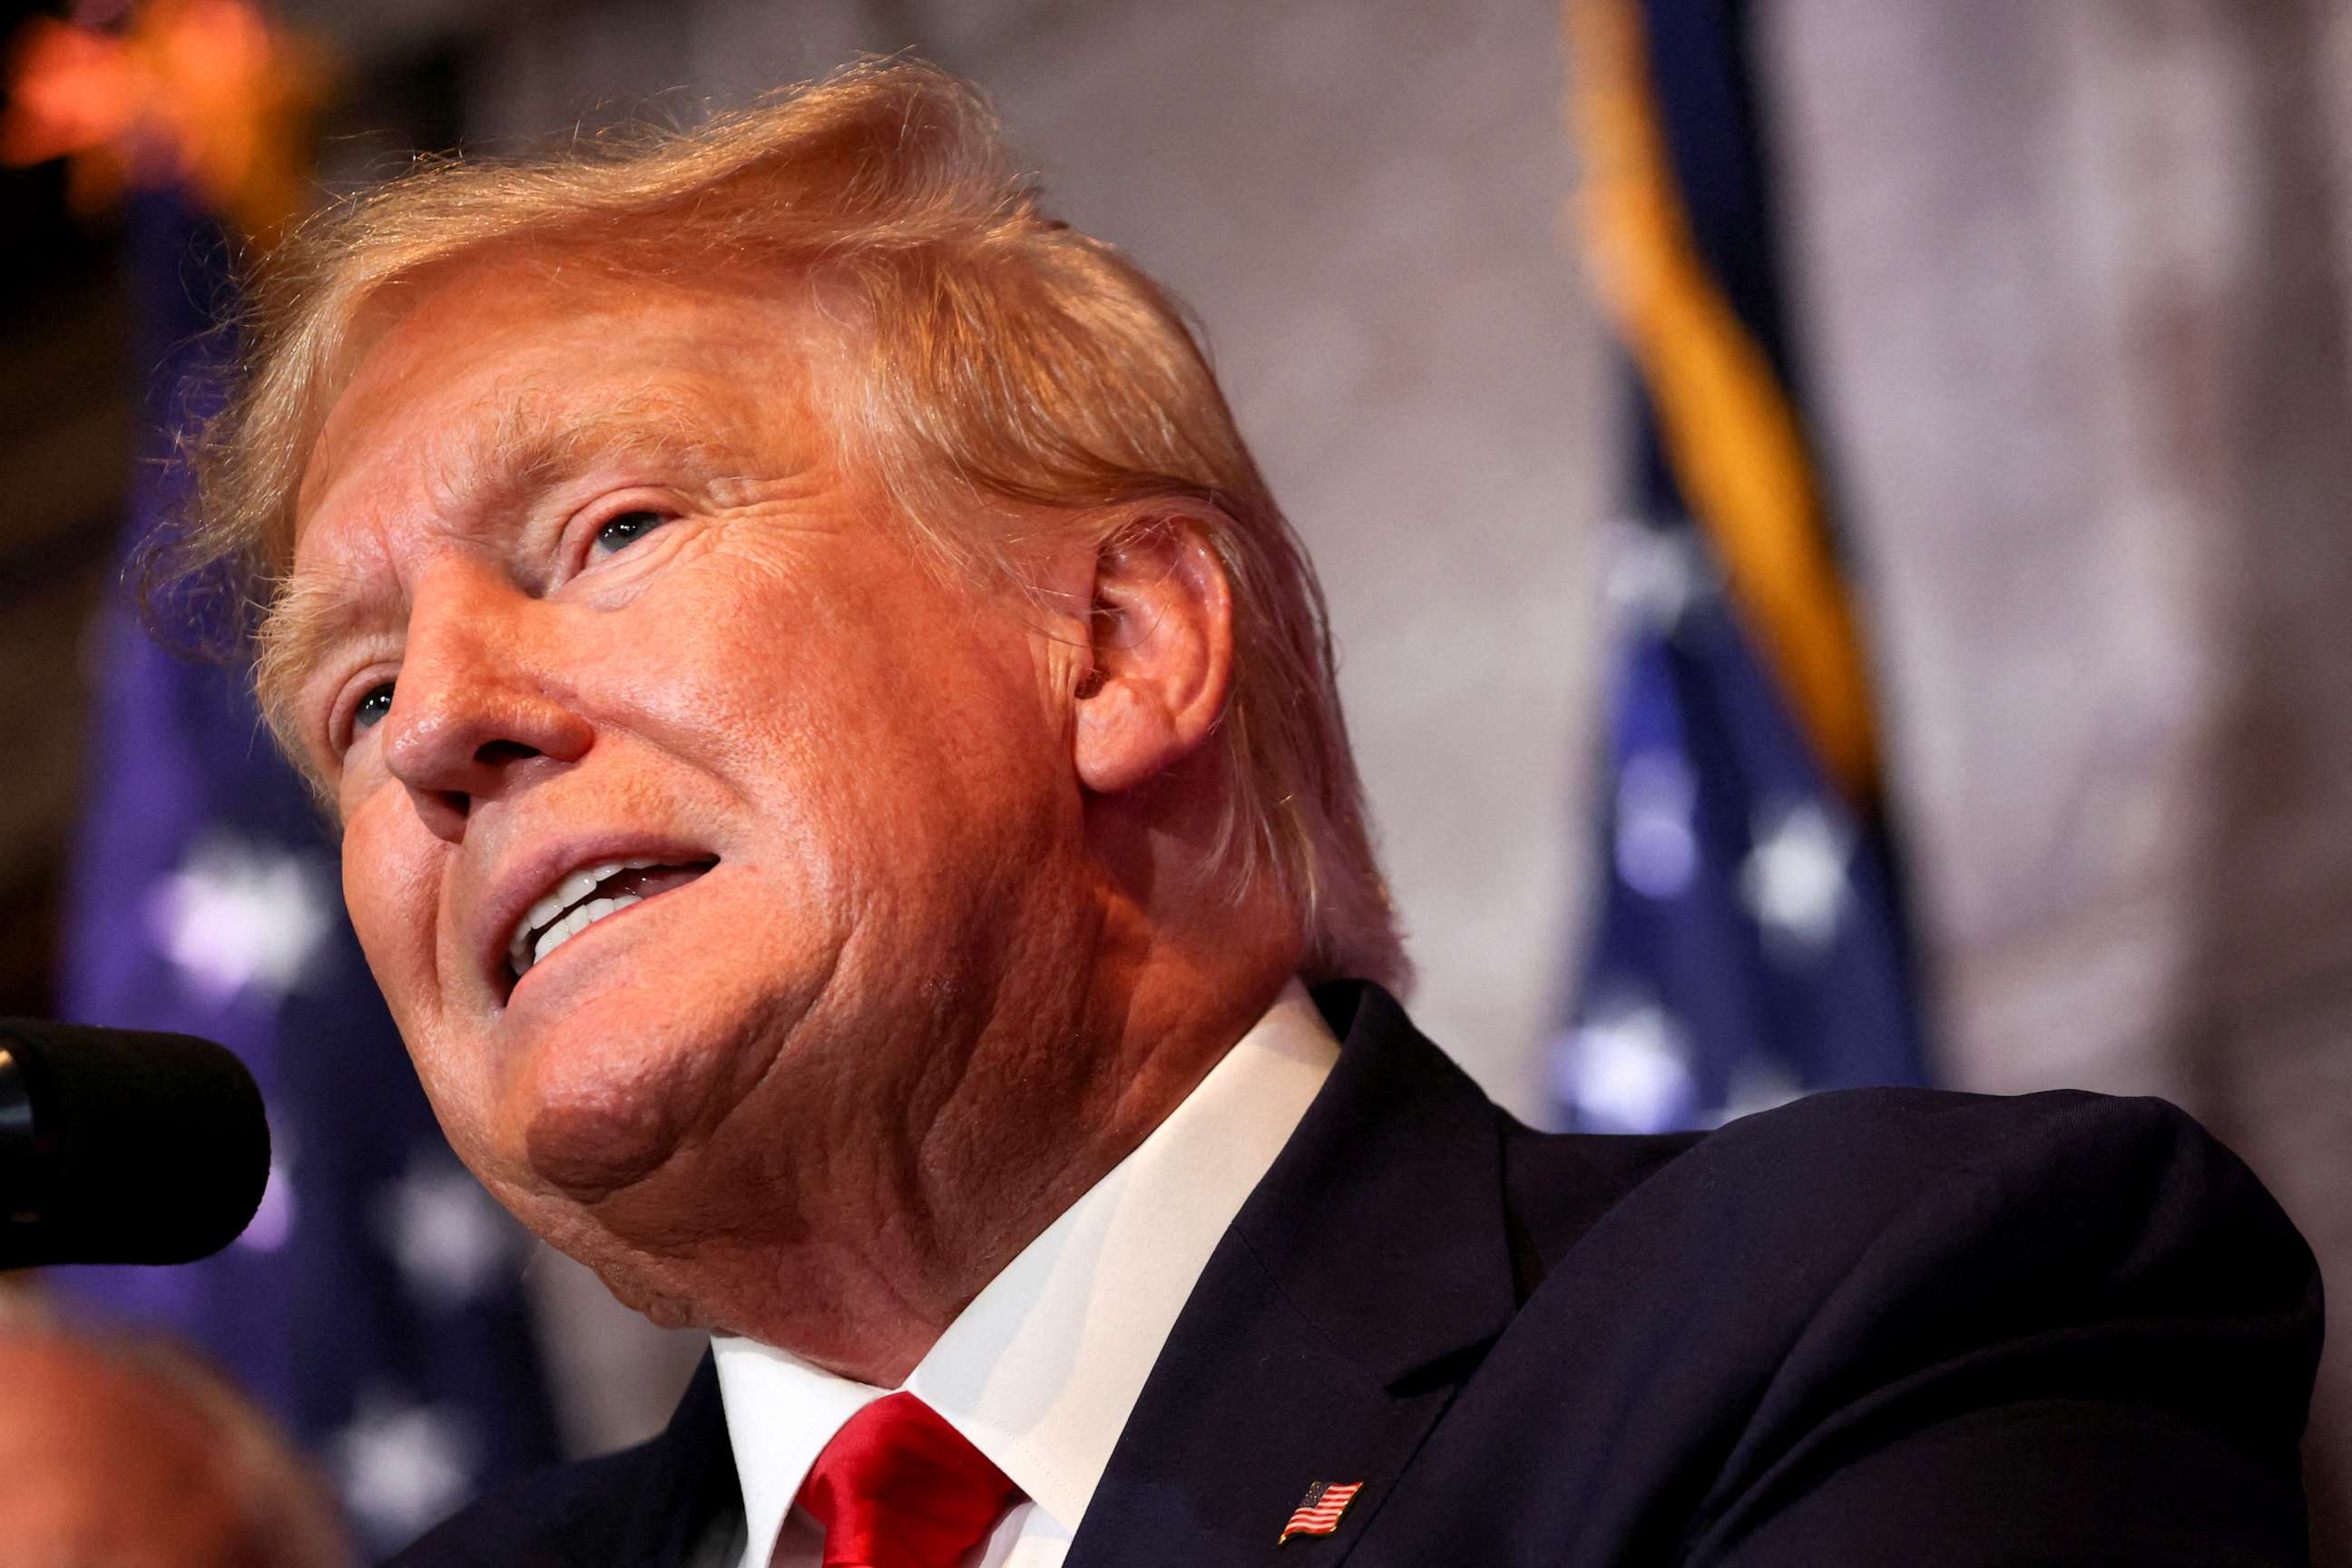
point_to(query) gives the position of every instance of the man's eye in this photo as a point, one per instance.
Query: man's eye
(373, 705)
(622, 531)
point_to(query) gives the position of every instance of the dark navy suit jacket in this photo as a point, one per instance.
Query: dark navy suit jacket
(1891, 1327)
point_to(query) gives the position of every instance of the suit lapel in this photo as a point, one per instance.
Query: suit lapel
(1354, 1292)
(684, 1481)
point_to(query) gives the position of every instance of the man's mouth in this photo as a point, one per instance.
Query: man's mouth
(587, 896)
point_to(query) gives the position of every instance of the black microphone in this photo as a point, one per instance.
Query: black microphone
(123, 1146)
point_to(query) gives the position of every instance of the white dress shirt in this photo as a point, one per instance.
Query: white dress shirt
(1040, 1372)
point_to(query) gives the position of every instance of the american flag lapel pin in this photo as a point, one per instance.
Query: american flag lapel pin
(1320, 1514)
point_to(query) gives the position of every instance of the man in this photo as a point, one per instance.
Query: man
(128, 1453)
(842, 784)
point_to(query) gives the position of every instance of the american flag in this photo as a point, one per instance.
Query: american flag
(1749, 945)
(1320, 1514)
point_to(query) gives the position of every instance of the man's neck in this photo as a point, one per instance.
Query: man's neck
(1043, 1368)
(1074, 1104)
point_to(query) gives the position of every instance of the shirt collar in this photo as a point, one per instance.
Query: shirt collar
(1041, 1371)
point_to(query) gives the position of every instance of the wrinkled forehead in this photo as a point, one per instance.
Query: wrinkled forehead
(492, 374)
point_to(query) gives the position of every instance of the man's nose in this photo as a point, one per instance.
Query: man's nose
(472, 714)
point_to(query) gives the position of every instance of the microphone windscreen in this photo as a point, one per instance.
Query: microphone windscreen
(143, 1148)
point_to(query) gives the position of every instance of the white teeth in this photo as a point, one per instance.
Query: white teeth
(525, 949)
(578, 921)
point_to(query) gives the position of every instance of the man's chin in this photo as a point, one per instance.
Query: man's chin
(598, 1120)
(586, 1151)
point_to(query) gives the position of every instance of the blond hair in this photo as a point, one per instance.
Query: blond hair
(1010, 364)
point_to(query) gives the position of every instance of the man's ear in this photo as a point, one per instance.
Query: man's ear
(1162, 644)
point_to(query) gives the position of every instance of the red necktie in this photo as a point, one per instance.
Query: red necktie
(899, 1488)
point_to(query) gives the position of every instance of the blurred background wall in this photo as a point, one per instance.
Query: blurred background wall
(2077, 278)
(2071, 283)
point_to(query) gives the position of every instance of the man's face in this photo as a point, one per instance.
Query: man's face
(595, 592)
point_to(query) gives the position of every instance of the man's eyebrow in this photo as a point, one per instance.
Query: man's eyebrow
(529, 446)
(524, 450)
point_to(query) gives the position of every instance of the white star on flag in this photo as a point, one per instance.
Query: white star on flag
(402, 1467)
(1656, 848)
(1627, 1068)
(1795, 880)
(236, 915)
(449, 1238)
(273, 1221)
(1656, 574)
